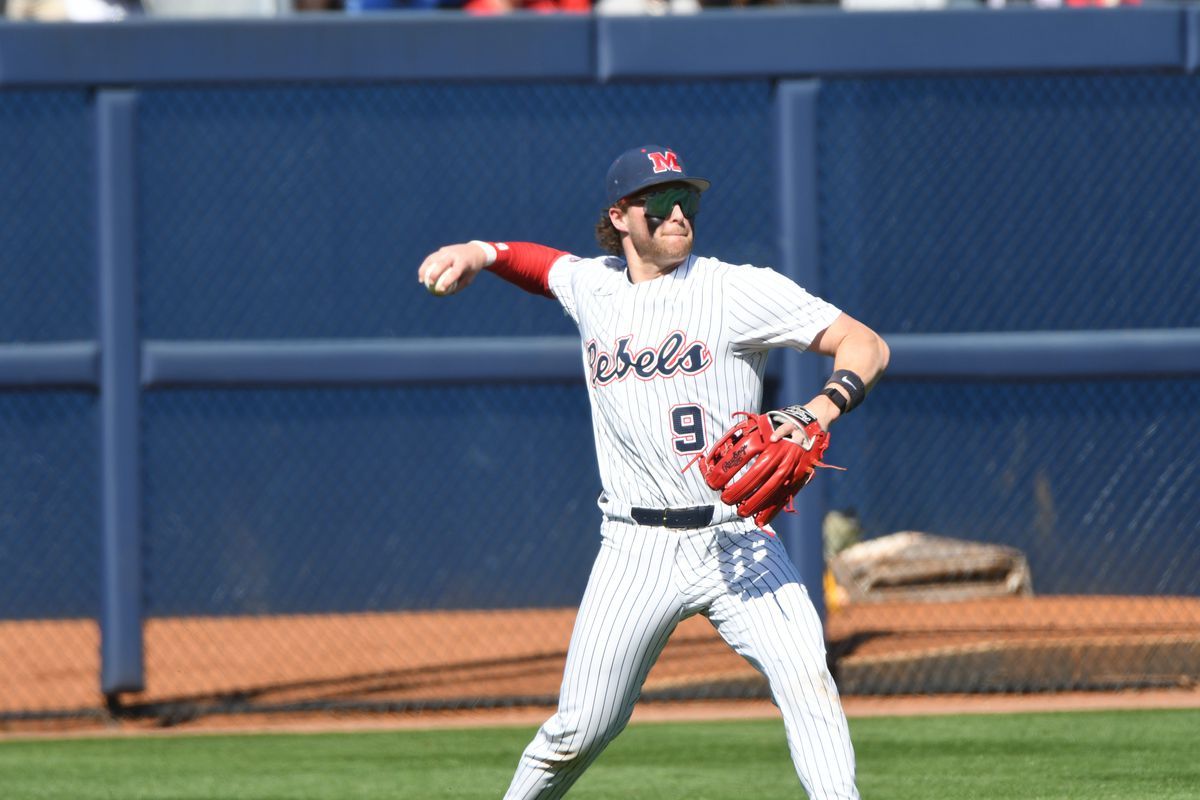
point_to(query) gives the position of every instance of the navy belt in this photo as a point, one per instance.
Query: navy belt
(695, 517)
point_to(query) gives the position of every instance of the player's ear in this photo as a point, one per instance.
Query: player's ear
(619, 217)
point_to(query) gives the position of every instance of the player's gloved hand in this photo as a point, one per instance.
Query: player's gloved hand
(758, 475)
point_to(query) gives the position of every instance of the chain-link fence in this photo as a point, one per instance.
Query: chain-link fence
(1018, 204)
(49, 551)
(47, 228)
(425, 545)
(1011, 204)
(272, 213)
(49, 468)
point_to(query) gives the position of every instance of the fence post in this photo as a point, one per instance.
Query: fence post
(800, 376)
(121, 668)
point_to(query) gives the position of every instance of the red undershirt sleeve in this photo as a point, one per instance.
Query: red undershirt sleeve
(523, 263)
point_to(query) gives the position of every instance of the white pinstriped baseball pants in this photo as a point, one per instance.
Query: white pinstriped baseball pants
(645, 580)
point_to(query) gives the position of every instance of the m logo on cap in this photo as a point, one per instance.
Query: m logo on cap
(665, 162)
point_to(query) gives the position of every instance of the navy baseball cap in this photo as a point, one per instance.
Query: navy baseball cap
(644, 166)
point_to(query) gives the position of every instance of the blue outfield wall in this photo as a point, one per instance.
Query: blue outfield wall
(225, 394)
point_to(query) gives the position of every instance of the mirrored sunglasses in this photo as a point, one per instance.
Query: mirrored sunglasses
(662, 203)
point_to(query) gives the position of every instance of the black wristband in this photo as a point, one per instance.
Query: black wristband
(840, 400)
(849, 382)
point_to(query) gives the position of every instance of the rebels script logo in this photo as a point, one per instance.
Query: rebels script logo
(673, 356)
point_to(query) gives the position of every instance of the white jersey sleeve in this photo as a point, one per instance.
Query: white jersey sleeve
(766, 309)
(561, 284)
(571, 275)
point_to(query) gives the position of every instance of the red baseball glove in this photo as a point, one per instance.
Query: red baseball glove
(760, 476)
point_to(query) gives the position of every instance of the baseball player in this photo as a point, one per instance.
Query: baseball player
(673, 346)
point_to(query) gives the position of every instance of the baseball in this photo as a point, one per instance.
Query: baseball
(432, 287)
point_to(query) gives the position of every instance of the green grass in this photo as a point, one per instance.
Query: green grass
(1092, 755)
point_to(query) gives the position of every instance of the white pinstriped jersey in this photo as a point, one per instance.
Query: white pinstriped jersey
(669, 361)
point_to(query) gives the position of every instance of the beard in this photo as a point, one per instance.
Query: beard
(669, 245)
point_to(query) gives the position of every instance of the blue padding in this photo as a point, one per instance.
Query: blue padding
(1092, 354)
(727, 43)
(404, 46)
(121, 654)
(796, 154)
(50, 364)
(1084, 354)
(284, 363)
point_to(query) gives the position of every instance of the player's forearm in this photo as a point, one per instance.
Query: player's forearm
(864, 353)
(524, 264)
(859, 361)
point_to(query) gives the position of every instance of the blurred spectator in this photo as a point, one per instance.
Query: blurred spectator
(71, 10)
(480, 7)
(1063, 3)
(901, 5)
(484, 7)
(366, 6)
(746, 3)
(216, 8)
(652, 7)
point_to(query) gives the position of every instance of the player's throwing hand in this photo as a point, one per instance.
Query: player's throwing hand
(452, 268)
